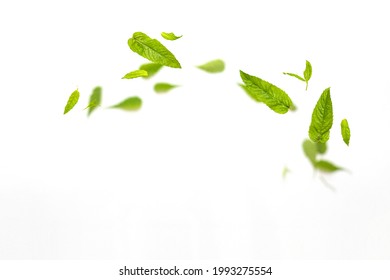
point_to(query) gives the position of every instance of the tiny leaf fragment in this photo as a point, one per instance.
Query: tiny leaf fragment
(170, 36)
(322, 118)
(214, 66)
(163, 87)
(135, 74)
(152, 50)
(151, 68)
(129, 104)
(345, 131)
(274, 97)
(72, 101)
(94, 100)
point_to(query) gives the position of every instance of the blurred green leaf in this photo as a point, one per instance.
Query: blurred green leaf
(170, 36)
(310, 150)
(327, 166)
(94, 100)
(129, 104)
(214, 66)
(163, 87)
(321, 148)
(151, 68)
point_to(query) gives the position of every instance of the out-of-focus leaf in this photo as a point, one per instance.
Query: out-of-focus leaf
(129, 104)
(94, 100)
(151, 68)
(163, 87)
(327, 166)
(310, 150)
(214, 66)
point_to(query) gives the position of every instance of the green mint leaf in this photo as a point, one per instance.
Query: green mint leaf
(151, 68)
(294, 75)
(345, 131)
(274, 97)
(249, 93)
(310, 150)
(214, 66)
(321, 148)
(72, 101)
(163, 87)
(135, 74)
(322, 118)
(170, 36)
(152, 49)
(307, 73)
(326, 166)
(129, 104)
(94, 100)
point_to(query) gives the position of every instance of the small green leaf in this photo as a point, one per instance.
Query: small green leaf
(72, 101)
(321, 148)
(94, 100)
(129, 104)
(163, 87)
(294, 75)
(310, 150)
(345, 131)
(214, 66)
(327, 166)
(322, 118)
(135, 74)
(170, 36)
(274, 97)
(285, 172)
(151, 68)
(307, 73)
(152, 49)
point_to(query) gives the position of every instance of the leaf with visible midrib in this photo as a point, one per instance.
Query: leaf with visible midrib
(135, 74)
(129, 104)
(252, 96)
(152, 49)
(345, 131)
(274, 97)
(95, 99)
(322, 118)
(327, 166)
(214, 66)
(151, 68)
(170, 36)
(72, 101)
(163, 87)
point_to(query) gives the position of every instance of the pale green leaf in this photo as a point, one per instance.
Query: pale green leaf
(72, 101)
(163, 87)
(310, 150)
(285, 171)
(322, 118)
(151, 68)
(135, 74)
(345, 131)
(321, 148)
(308, 71)
(129, 104)
(274, 97)
(152, 49)
(327, 166)
(94, 100)
(294, 75)
(170, 36)
(214, 66)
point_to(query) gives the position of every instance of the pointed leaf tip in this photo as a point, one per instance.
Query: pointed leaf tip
(72, 101)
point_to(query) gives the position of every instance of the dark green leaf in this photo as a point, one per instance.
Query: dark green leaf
(310, 150)
(163, 87)
(94, 100)
(214, 66)
(135, 74)
(322, 118)
(274, 97)
(130, 104)
(345, 131)
(72, 101)
(327, 166)
(170, 36)
(151, 68)
(152, 49)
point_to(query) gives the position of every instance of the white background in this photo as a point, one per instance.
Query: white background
(196, 173)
